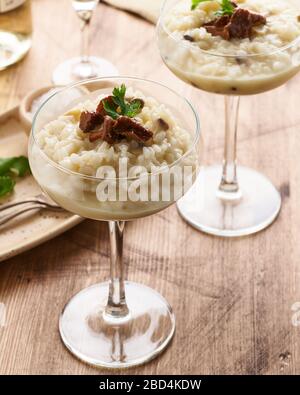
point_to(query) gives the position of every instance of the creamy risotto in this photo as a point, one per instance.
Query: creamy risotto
(63, 141)
(249, 65)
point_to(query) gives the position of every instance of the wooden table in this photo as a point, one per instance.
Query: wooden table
(232, 298)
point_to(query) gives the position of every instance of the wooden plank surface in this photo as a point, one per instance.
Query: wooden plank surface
(232, 298)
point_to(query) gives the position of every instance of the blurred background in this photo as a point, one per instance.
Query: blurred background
(121, 38)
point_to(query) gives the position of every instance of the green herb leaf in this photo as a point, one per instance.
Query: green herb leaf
(18, 166)
(121, 106)
(120, 92)
(119, 98)
(9, 167)
(5, 165)
(134, 107)
(195, 3)
(6, 185)
(109, 110)
(227, 8)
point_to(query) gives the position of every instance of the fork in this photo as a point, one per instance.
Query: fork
(37, 202)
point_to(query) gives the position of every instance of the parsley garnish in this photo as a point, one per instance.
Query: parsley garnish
(227, 8)
(121, 105)
(195, 3)
(9, 168)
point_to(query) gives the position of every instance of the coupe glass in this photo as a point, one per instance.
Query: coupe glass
(234, 200)
(117, 323)
(85, 66)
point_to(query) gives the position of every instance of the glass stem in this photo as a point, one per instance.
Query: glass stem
(85, 24)
(116, 305)
(229, 188)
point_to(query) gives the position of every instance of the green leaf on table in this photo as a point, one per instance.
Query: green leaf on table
(6, 185)
(5, 165)
(17, 165)
(20, 166)
(9, 169)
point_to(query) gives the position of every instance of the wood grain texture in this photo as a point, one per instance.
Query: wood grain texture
(232, 298)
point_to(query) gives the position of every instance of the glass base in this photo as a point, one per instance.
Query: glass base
(253, 209)
(103, 341)
(74, 70)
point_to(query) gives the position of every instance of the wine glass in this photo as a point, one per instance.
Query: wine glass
(85, 66)
(117, 323)
(234, 200)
